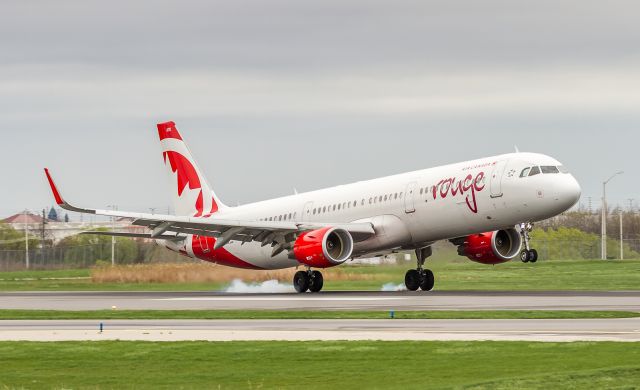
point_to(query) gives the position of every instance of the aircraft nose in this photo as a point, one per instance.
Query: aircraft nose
(569, 191)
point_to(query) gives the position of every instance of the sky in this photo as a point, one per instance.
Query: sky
(277, 95)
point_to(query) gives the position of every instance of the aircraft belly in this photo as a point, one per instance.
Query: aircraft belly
(391, 232)
(260, 256)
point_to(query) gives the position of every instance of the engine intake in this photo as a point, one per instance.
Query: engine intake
(495, 247)
(322, 248)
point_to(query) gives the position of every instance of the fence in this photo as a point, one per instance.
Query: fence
(85, 256)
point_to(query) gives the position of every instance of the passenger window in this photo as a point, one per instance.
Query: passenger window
(380, 198)
(339, 206)
(525, 172)
(385, 198)
(549, 169)
(534, 171)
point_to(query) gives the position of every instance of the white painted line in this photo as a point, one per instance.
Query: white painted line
(258, 298)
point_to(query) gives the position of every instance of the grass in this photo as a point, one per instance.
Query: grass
(319, 365)
(10, 314)
(450, 275)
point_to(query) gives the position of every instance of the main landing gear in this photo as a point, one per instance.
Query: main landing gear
(528, 255)
(420, 278)
(308, 280)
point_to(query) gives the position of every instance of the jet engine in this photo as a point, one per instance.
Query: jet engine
(495, 247)
(322, 248)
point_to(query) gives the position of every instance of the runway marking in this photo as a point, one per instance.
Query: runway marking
(293, 298)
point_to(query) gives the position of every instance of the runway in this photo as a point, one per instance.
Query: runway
(627, 329)
(435, 300)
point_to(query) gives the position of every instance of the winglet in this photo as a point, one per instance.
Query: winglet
(60, 201)
(54, 189)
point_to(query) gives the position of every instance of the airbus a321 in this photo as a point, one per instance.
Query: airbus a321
(485, 207)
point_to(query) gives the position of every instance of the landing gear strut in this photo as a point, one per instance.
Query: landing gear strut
(420, 278)
(528, 254)
(308, 280)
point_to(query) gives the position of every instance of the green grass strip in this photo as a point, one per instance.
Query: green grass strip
(319, 365)
(310, 314)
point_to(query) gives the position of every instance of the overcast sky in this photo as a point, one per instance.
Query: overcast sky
(273, 95)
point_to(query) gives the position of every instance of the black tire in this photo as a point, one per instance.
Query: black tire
(412, 280)
(524, 256)
(428, 280)
(316, 282)
(533, 255)
(301, 281)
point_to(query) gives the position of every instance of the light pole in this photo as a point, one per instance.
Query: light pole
(113, 238)
(26, 239)
(621, 242)
(603, 245)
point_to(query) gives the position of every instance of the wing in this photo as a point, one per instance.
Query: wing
(280, 234)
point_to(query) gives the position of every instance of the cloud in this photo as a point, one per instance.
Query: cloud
(88, 91)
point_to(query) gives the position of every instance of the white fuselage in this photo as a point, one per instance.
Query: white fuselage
(415, 209)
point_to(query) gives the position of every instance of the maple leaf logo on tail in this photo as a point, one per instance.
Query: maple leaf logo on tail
(192, 193)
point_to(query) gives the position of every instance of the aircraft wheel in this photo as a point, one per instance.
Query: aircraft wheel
(428, 280)
(533, 255)
(524, 256)
(412, 280)
(316, 282)
(301, 281)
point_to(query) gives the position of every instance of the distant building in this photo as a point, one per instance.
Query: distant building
(56, 230)
(22, 218)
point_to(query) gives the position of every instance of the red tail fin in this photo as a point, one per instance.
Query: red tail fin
(191, 191)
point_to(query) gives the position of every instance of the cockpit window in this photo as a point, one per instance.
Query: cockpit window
(563, 169)
(534, 171)
(549, 169)
(525, 172)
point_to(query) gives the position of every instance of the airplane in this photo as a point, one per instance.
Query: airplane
(486, 207)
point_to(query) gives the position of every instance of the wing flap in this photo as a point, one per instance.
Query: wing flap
(136, 235)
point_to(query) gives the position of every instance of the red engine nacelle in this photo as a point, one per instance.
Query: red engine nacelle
(322, 248)
(492, 247)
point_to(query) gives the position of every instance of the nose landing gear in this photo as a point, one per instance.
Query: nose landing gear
(420, 278)
(528, 255)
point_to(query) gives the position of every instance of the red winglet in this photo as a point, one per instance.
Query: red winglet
(54, 189)
(168, 130)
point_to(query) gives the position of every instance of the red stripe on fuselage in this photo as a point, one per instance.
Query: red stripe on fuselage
(203, 249)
